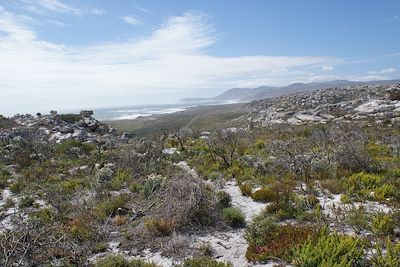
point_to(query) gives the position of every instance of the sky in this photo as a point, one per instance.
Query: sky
(75, 54)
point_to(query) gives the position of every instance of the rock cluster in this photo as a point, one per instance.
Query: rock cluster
(58, 127)
(335, 104)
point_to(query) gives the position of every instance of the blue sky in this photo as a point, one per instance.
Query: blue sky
(68, 54)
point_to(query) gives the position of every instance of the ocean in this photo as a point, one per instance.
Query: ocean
(133, 112)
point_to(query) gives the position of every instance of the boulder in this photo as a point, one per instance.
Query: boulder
(86, 113)
(393, 93)
(374, 106)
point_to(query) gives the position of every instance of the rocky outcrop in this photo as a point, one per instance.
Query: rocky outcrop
(336, 104)
(58, 127)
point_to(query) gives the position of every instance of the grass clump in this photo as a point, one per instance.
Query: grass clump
(246, 189)
(264, 195)
(234, 217)
(205, 262)
(120, 261)
(160, 226)
(224, 199)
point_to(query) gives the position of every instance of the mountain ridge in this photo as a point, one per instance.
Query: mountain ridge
(262, 92)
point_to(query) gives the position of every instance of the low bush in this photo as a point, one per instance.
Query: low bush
(334, 186)
(329, 250)
(100, 247)
(26, 202)
(246, 189)
(383, 224)
(278, 243)
(160, 226)
(264, 195)
(205, 262)
(234, 217)
(389, 259)
(120, 261)
(108, 207)
(70, 118)
(224, 199)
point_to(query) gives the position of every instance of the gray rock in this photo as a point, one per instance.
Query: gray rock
(86, 113)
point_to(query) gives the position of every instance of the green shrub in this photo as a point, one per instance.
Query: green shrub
(100, 247)
(260, 227)
(264, 195)
(329, 250)
(26, 202)
(345, 199)
(358, 218)
(16, 187)
(384, 191)
(233, 216)
(70, 118)
(389, 259)
(136, 187)
(224, 199)
(361, 181)
(383, 224)
(120, 261)
(152, 184)
(108, 207)
(205, 262)
(283, 210)
(246, 189)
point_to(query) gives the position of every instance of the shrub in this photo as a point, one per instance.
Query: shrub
(383, 224)
(136, 187)
(279, 243)
(332, 185)
(389, 259)
(16, 187)
(80, 229)
(283, 210)
(357, 218)
(152, 184)
(329, 250)
(224, 199)
(264, 195)
(120, 261)
(345, 199)
(384, 191)
(70, 118)
(361, 181)
(246, 189)
(259, 228)
(160, 226)
(100, 247)
(120, 219)
(26, 202)
(205, 262)
(233, 216)
(108, 207)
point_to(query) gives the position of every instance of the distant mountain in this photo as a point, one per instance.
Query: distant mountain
(250, 94)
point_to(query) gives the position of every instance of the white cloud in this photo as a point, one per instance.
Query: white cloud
(365, 78)
(97, 11)
(131, 20)
(40, 6)
(327, 68)
(36, 75)
(57, 23)
(388, 70)
(384, 71)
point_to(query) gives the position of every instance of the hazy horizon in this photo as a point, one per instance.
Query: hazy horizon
(71, 55)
